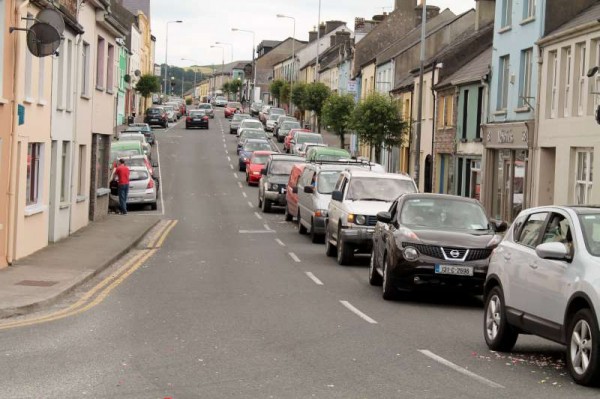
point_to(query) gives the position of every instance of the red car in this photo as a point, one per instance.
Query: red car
(291, 195)
(256, 165)
(289, 137)
(232, 108)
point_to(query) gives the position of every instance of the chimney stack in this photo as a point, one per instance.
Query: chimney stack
(322, 29)
(330, 26)
(484, 12)
(312, 35)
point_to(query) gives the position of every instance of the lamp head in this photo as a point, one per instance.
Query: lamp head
(234, 29)
(592, 71)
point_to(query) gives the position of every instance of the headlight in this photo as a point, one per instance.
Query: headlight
(274, 186)
(410, 254)
(360, 219)
(321, 213)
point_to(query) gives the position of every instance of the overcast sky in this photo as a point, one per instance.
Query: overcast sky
(208, 21)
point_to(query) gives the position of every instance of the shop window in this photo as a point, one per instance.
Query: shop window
(34, 173)
(584, 176)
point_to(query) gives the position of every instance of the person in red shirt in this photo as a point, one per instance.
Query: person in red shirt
(121, 174)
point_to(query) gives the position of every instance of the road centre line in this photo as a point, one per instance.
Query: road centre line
(278, 241)
(256, 231)
(235, 175)
(267, 227)
(459, 369)
(314, 278)
(240, 184)
(250, 204)
(231, 166)
(228, 158)
(294, 257)
(244, 194)
(357, 312)
(258, 215)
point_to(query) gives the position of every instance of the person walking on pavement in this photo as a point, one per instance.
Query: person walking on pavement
(121, 173)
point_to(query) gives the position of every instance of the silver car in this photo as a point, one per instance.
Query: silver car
(543, 279)
(138, 136)
(142, 188)
(249, 123)
(301, 138)
(235, 121)
(208, 108)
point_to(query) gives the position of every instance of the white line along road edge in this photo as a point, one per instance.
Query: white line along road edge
(314, 278)
(357, 312)
(461, 370)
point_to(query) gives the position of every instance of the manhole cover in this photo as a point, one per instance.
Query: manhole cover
(37, 283)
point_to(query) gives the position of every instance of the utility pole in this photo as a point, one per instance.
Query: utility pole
(417, 159)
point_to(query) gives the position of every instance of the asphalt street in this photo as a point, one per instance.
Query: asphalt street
(237, 304)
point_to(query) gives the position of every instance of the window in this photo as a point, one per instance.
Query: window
(529, 9)
(69, 88)
(64, 172)
(597, 78)
(479, 111)
(530, 233)
(567, 79)
(445, 111)
(465, 119)
(85, 73)
(526, 70)
(81, 171)
(110, 69)
(102, 160)
(28, 65)
(554, 80)
(584, 176)
(558, 230)
(60, 92)
(34, 173)
(503, 80)
(581, 79)
(506, 13)
(100, 64)
(3, 28)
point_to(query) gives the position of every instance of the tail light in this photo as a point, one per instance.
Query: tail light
(150, 183)
(205, 118)
(189, 118)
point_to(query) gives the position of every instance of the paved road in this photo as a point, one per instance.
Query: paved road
(237, 304)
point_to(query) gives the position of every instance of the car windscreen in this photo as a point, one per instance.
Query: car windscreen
(326, 181)
(234, 105)
(118, 154)
(252, 124)
(378, 188)
(135, 162)
(273, 117)
(257, 146)
(253, 134)
(132, 137)
(436, 213)
(197, 113)
(306, 138)
(282, 167)
(135, 175)
(290, 125)
(239, 117)
(154, 111)
(204, 106)
(260, 159)
(590, 226)
(277, 111)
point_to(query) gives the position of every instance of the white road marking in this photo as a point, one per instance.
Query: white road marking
(240, 184)
(228, 158)
(278, 241)
(255, 231)
(258, 215)
(235, 175)
(231, 166)
(250, 204)
(357, 312)
(162, 186)
(267, 227)
(294, 257)
(314, 278)
(244, 194)
(459, 369)
(223, 139)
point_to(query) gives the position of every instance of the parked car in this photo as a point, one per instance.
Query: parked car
(270, 123)
(124, 149)
(304, 137)
(432, 241)
(275, 111)
(291, 192)
(142, 189)
(290, 136)
(156, 116)
(284, 128)
(279, 121)
(141, 160)
(250, 134)
(352, 214)
(175, 105)
(543, 280)
(197, 118)
(318, 153)
(262, 114)
(235, 121)
(255, 108)
(208, 108)
(250, 123)
(171, 113)
(145, 129)
(231, 108)
(273, 184)
(248, 149)
(254, 168)
(139, 137)
(220, 101)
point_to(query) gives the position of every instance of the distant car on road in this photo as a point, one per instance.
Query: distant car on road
(197, 118)
(208, 108)
(156, 116)
(231, 108)
(220, 101)
(255, 108)
(273, 184)
(250, 123)
(235, 121)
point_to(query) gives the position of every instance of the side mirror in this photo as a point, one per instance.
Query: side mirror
(295, 190)
(552, 250)
(499, 226)
(155, 164)
(263, 171)
(384, 217)
(309, 189)
(337, 196)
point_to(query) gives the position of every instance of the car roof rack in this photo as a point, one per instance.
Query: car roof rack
(342, 161)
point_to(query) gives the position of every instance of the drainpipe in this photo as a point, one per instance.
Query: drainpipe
(11, 228)
(74, 142)
(433, 128)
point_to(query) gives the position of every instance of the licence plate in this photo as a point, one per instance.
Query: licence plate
(283, 190)
(455, 270)
(154, 120)
(197, 120)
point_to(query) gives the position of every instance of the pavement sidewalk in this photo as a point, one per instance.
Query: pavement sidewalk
(51, 273)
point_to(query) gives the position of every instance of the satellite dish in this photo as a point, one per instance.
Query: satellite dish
(137, 72)
(53, 18)
(42, 39)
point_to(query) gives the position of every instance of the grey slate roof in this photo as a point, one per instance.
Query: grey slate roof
(471, 72)
(589, 15)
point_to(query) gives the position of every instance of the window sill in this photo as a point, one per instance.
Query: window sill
(28, 100)
(69, 110)
(101, 192)
(99, 88)
(477, 139)
(81, 198)
(64, 205)
(527, 20)
(60, 109)
(500, 112)
(86, 96)
(110, 92)
(3, 101)
(42, 103)
(522, 110)
(463, 140)
(31, 210)
(505, 29)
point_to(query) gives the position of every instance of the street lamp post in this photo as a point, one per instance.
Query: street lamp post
(227, 44)
(293, 59)
(222, 64)
(253, 59)
(167, 52)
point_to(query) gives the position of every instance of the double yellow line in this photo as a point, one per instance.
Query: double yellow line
(101, 291)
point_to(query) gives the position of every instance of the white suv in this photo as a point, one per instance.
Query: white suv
(352, 214)
(544, 279)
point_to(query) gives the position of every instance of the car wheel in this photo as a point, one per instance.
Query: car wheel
(301, 228)
(499, 335)
(388, 291)
(259, 201)
(345, 252)
(247, 178)
(330, 249)
(241, 168)
(266, 206)
(582, 348)
(288, 216)
(314, 237)
(374, 277)
(154, 206)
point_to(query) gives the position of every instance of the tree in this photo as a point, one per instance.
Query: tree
(226, 89)
(275, 88)
(235, 86)
(378, 123)
(285, 93)
(147, 85)
(316, 94)
(188, 101)
(337, 114)
(299, 97)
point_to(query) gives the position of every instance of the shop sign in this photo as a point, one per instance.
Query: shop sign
(506, 135)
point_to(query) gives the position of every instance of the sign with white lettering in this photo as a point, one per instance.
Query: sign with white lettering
(352, 86)
(507, 135)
